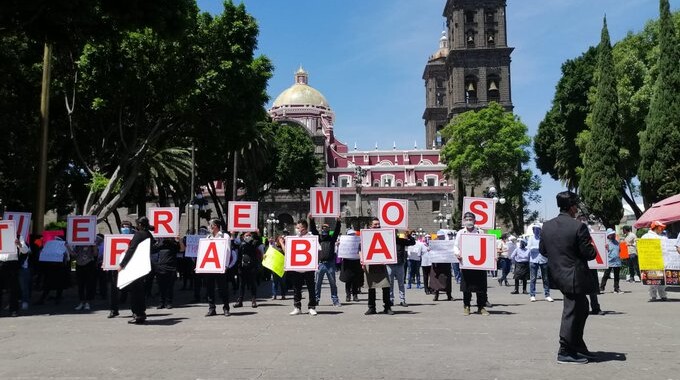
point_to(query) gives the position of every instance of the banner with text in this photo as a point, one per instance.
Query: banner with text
(302, 253)
(348, 247)
(81, 229)
(378, 246)
(478, 251)
(242, 216)
(114, 248)
(484, 210)
(441, 251)
(393, 213)
(213, 255)
(324, 202)
(599, 241)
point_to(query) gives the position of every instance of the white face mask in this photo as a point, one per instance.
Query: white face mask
(469, 224)
(248, 239)
(297, 231)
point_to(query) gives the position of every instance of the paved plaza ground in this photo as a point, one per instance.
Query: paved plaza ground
(428, 340)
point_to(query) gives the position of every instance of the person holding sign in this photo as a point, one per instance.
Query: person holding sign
(352, 274)
(247, 266)
(376, 277)
(136, 288)
(86, 272)
(567, 245)
(298, 279)
(9, 273)
(440, 275)
(210, 279)
(397, 271)
(614, 261)
(327, 257)
(471, 280)
(655, 231)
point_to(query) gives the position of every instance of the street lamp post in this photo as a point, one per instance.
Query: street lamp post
(440, 219)
(271, 222)
(497, 198)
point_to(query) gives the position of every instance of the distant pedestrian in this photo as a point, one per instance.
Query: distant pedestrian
(520, 256)
(614, 261)
(631, 243)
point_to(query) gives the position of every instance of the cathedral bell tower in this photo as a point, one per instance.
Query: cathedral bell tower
(478, 63)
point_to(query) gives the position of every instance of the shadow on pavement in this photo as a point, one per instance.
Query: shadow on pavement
(164, 322)
(603, 356)
(500, 312)
(242, 313)
(329, 312)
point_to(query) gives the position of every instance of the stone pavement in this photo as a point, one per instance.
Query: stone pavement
(427, 340)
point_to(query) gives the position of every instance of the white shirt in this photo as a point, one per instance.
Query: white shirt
(416, 251)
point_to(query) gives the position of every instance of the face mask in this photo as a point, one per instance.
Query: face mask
(297, 231)
(469, 224)
(125, 230)
(324, 233)
(248, 239)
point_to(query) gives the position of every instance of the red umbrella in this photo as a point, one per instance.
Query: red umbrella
(666, 211)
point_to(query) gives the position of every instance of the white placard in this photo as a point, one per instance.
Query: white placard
(81, 229)
(393, 213)
(478, 251)
(378, 246)
(138, 266)
(671, 257)
(165, 221)
(22, 222)
(213, 255)
(302, 253)
(242, 216)
(599, 241)
(8, 237)
(441, 251)
(53, 251)
(191, 245)
(348, 247)
(324, 202)
(484, 210)
(114, 248)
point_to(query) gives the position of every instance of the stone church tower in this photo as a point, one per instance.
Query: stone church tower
(471, 67)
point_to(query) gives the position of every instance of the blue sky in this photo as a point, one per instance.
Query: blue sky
(367, 57)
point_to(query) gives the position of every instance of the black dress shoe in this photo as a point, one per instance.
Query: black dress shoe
(388, 312)
(571, 359)
(169, 306)
(436, 297)
(597, 312)
(14, 314)
(370, 311)
(355, 299)
(348, 298)
(210, 313)
(403, 304)
(161, 306)
(449, 298)
(514, 292)
(113, 314)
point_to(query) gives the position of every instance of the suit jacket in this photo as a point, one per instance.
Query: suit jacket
(568, 246)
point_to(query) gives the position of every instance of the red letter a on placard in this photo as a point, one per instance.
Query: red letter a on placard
(482, 257)
(378, 246)
(598, 258)
(211, 256)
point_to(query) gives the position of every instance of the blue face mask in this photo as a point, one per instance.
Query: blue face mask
(125, 230)
(324, 233)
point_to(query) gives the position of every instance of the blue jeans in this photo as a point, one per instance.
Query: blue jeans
(533, 271)
(25, 278)
(504, 264)
(327, 268)
(396, 271)
(456, 272)
(280, 283)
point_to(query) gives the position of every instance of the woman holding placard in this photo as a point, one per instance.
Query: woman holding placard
(136, 287)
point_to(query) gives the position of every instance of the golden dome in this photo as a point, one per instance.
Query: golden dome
(300, 93)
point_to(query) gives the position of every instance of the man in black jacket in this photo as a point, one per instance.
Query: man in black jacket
(136, 288)
(568, 246)
(327, 257)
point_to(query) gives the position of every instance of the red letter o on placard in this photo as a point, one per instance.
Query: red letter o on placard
(400, 215)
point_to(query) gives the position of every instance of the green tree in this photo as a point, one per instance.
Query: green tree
(555, 143)
(601, 184)
(492, 144)
(297, 168)
(659, 169)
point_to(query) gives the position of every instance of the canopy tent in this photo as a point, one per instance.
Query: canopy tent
(665, 211)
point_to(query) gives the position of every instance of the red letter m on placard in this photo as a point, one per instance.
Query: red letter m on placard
(324, 205)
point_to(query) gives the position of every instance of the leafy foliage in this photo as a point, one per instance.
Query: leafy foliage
(491, 144)
(601, 184)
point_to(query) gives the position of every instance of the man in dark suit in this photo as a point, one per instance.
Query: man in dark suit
(568, 246)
